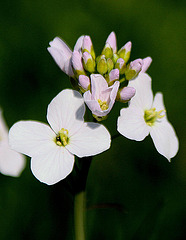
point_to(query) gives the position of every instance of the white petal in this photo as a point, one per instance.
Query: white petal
(62, 55)
(12, 163)
(52, 166)
(3, 128)
(144, 96)
(66, 110)
(131, 123)
(61, 60)
(165, 139)
(159, 105)
(79, 44)
(98, 84)
(93, 105)
(31, 138)
(113, 93)
(62, 46)
(91, 139)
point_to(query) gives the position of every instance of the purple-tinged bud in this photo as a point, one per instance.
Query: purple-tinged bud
(124, 52)
(136, 65)
(107, 51)
(88, 62)
(133, 69)
(120, 64)
(88, 46)
(113, 76)
(111, 40)
(84, 82)
(77, 63)
(79, 43)
(125, 94)
(146, 63)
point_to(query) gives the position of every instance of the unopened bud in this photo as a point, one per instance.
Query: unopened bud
(111, 40)
(110, 64)
(133, 69)
(77, 63)
(107, 51)
(84, 83)
(115, 57)
(125, 94)
(88, 46)
(121, 65)
(113, 76)
(124, 52)
(102, 65)
(146, 63)
(88, 62)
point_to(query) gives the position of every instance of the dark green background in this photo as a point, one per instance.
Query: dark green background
(132, 191)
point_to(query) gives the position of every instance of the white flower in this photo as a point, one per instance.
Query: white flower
(11, 162)
(101, 98)
(52, 149)
(145, 115)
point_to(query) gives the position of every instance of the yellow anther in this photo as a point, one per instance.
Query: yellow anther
(62, 138)
(103, 104)
(152, 115)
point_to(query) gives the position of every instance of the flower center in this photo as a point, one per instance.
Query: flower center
(62, 138)
(152, 115)
(103, 104)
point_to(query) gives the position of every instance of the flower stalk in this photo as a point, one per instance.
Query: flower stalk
(79, 216)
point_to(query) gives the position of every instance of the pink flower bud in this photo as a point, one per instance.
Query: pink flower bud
(127, 93)
(136, 65)
(120, 62)
(86, 57)
(79, 44)
(113, 75)
(146, 63)
(127, 47)
(87, 44)
(111, 40)
(77, 61)
(84, 82)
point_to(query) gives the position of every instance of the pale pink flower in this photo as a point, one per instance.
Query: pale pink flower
(100, 99)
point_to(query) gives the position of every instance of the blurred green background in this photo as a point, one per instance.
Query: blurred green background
(132, 191)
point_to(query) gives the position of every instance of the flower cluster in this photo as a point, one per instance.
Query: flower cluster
(101, 75)
(100, 81)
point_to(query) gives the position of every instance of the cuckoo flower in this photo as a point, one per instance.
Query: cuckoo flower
(52, 148)
(101, 98)
(11, 162)
(146, 116)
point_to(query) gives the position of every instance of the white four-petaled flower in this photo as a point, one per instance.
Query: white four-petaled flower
(145, 115)
(12, 163)
(53, 147)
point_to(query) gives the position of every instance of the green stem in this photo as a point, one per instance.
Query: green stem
(79, 215)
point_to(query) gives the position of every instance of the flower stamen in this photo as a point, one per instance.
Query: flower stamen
(103, 104)
(152, 115)
(62, 138)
